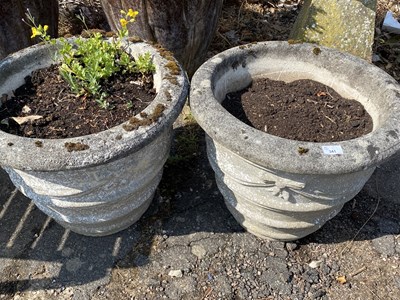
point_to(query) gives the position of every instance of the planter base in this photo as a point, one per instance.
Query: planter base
(279, 205)
(100, 200)
(111, 226)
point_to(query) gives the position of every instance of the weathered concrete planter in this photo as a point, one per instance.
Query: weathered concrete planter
(107, 187)
(270, 188)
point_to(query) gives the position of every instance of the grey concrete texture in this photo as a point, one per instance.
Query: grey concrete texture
(350, 76)
(107, 187)
(346, 25)
(273, 190)
(278, 205)
(102, 199)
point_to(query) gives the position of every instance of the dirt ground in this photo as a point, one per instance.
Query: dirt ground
(188, 246)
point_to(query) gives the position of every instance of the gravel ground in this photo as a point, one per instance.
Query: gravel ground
(188, 246)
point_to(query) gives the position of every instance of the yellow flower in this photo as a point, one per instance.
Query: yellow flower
(35, 32)
(45, 27)
(123, 22)
(132, 13)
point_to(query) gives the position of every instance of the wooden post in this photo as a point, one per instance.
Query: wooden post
(14, 33)
(347, 25)
(185, 27)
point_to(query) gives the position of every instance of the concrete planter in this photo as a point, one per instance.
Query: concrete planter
(107, 187)
(274, 191)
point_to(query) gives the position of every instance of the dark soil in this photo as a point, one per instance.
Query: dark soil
(66, 115)
(302, 110)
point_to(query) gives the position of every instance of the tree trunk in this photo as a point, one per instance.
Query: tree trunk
(347, 25)
(185, 27)
(15, 34)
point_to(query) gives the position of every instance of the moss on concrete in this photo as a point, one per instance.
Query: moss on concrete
(347, 25)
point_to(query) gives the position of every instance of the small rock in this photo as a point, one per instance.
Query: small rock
(66, 252)
(397, 282)
(291, 246)
(318, 294)
(334, 267)
(325, 269)
(73, 265)
(385, 245)
(175, 273)
(376, 58)
(311, 276)
(199, 251)
(26, 109)
(315, 264)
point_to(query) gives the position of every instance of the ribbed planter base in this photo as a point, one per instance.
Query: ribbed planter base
(278, 205)
(99, 200)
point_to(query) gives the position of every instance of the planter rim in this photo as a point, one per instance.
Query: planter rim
(22, 153)
(283, 154)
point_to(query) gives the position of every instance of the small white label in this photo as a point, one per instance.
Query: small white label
(332, 150)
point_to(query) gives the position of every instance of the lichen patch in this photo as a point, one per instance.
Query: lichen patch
(134, 122)
(76, 146)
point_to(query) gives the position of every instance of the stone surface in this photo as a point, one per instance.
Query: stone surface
(385, 245)
(346, 25)
(199, 251)
(175, 273)
(107, 187)
(272, 190)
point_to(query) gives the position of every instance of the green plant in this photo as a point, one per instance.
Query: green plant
(87, 62)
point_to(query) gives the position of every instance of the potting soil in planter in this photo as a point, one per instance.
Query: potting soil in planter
(62, 114)
(303, 110)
